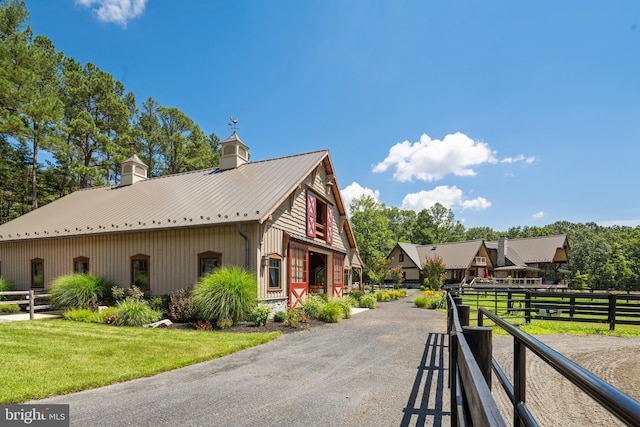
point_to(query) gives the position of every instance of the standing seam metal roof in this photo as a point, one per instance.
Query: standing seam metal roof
(249, 193)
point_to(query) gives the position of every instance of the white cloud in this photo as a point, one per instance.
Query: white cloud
(519, 158)
(354, 191)
(538, 215)
(449, 197)
(118, 11)
(477, 204)
(433, 159)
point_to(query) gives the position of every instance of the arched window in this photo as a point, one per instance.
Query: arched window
(81, 265)
(37, 273)
(207, 262)
(140, 276)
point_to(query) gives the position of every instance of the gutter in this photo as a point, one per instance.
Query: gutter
(246, 247)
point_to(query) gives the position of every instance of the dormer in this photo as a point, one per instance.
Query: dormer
(233, 152)
(133, 170)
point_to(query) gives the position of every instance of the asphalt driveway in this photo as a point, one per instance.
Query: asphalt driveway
(383, 367)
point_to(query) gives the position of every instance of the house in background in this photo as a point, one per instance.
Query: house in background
(461, 259)
(533, 261)
(281, 219)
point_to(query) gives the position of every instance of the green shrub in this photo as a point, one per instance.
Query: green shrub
(85, 315)
(160, 303)
(280, 316)
(9, 308)
(356, 295)
(421, 302)
(181, 306)
(225, 296)
(5, 285)
(261, 314)
(331, 312)
(379, 295)
(295, 317)
(368, 301)
(78, 291)
(132, 312)
(346, 304)
(312, 306)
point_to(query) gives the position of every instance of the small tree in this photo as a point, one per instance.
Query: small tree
(395, 274)
(434, 272)
(378, 271)
(580, 281)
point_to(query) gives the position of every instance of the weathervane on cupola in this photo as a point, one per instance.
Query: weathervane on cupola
(233, 152)
(233, 124)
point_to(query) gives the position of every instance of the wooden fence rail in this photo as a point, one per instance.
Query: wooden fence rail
(30, 299)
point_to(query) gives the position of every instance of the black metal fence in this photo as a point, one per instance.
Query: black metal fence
(591, 307)
(471, 365)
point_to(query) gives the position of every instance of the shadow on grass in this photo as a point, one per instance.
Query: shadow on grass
(425, 404)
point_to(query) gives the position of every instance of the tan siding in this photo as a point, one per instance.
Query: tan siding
(173, 263)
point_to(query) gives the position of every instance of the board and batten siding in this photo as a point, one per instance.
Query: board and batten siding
(173, 262)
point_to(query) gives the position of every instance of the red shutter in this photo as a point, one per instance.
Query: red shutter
(329, 230)
(311, 214)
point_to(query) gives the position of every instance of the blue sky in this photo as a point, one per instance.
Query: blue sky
(511, 113)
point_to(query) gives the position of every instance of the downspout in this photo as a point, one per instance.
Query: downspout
(246, 247)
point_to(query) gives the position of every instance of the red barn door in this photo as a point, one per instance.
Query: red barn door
(298, 274)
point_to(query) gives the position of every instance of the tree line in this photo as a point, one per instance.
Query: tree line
(66, 125)
(601, 257)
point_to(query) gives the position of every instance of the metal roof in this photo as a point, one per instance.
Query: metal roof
(533, 249)
(455, 255)
(249, 193)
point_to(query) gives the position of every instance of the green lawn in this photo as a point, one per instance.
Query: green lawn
(43, 358)
(539, 326)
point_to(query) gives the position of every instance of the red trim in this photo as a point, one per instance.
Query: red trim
(311, 214)
(298, 288)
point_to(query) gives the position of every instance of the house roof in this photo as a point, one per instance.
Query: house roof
(533, 249)
(456, 255)
(249, 193)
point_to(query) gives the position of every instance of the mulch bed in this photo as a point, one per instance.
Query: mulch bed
(250, 327)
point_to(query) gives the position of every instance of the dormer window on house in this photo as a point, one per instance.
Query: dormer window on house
(319, 218)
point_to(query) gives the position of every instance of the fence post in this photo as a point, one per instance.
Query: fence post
(479, 340)
(612, 312)
(463, 314)
(453, 376)
(572, 306)
(527, 307)
(519, 377)
(31, 303)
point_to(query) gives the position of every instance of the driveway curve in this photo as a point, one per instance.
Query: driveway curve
(382, 367)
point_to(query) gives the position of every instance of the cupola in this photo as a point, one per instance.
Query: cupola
(233, 152)
(133, 170)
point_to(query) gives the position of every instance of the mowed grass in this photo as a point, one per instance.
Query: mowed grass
(43, 358)
(543, 327)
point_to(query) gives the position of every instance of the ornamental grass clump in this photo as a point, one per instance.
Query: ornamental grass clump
(224, 297)
(131, 312)
(368, 301)
(421, 302)
(78, 291)
(331, 312)
(312, 306)
(5, 285)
